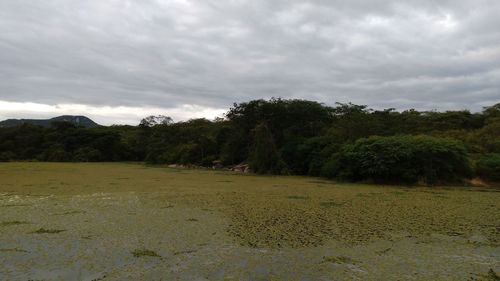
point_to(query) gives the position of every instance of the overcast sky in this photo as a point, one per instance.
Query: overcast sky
(117, 61)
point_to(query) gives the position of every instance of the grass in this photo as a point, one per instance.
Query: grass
(144, 253)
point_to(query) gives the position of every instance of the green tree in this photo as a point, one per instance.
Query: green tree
(264, 157)
(401, 159)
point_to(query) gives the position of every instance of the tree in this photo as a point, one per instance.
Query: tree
(488, 167)
(401, 159)
(153, 120)
(264, 157)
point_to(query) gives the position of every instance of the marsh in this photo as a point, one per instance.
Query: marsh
(126, 221)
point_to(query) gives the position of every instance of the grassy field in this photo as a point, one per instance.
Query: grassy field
(132, 222)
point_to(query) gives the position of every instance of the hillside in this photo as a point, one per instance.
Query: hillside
(75, 119)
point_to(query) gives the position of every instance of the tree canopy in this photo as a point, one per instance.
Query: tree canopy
(281, 136)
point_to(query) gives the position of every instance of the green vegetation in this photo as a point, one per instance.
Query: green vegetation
(280, 136)
(254, 221)
(9, 223)
(144, 253)
(12, 250)
(490, 276)
(406, 159)
(47, 231)
(488, 167)
(339, 260)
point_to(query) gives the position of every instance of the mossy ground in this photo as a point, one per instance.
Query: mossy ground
(216, 225)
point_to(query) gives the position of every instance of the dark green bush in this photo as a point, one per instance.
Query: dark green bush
(400, 159)
(488, 167)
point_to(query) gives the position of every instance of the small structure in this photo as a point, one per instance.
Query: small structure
(242, 168)
(217, 164)
(176, 166)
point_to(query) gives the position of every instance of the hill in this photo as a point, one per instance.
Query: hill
(77, 120)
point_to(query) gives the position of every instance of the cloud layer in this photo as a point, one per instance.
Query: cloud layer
(207, 54)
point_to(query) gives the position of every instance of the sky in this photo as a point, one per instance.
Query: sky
(117, 61)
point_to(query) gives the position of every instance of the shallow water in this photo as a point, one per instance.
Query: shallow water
(220, 226)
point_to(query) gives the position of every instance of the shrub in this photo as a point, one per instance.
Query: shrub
(400, 159)
(488, 167)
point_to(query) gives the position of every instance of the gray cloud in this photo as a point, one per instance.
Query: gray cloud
(210, 53)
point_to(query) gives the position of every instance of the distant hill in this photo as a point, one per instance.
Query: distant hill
(77, 120)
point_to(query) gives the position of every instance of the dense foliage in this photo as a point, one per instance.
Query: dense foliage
(283, 137)
(488, 167)
(407, 159)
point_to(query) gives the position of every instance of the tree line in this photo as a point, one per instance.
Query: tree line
(284, 136)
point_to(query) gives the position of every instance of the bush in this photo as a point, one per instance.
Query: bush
(488, 167)
(400, 159)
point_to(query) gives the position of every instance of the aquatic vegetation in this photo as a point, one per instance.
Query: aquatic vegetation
(298, 197)
(329, 204)
(490, 276)
(381, 252)
(48, 231)
(184, 252)
(6, 250)
(339, 260)
(337, 230)
(69, 213)
(144, 253)
(9, 223)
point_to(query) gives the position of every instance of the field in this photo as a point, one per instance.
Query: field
(133, 222)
